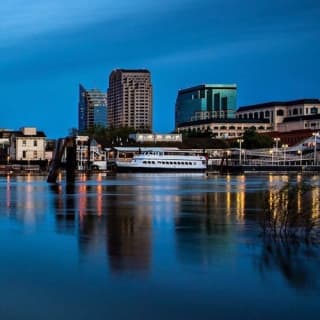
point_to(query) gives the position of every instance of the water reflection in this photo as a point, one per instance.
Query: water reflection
(65, 205)
(205, 223)
(119, 216)
(298, 263)
(113, 216)
(130, 222)
(20, 199)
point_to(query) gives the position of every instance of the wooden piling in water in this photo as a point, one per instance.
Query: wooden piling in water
(63, 144)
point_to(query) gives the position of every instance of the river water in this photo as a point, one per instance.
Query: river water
(142, 246)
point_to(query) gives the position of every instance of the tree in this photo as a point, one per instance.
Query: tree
(254, 140)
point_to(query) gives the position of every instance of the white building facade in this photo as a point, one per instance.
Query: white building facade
(28, 144)
(227, 129)
(285, 116)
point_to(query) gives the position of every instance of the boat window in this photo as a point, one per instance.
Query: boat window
(144, 162)
(174, 162)
(153, 162)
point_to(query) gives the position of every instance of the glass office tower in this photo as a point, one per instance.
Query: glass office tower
(207, 101)
(92, 109)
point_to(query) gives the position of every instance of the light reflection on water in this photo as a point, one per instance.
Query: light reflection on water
(150, 246)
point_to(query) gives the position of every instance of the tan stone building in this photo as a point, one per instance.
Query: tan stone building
(129, 99)
(285, 116)
(224, 129)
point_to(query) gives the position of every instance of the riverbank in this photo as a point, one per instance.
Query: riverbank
(232, 169)
(263, 169)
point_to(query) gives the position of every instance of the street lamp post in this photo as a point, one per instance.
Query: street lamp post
(284, 146)
(240, 143)
(271, 153)
(276, 140)
(300, 154)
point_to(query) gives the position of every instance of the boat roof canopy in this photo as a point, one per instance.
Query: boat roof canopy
(154, 149)
(133, 149)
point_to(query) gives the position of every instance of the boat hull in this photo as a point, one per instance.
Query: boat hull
(158, 170)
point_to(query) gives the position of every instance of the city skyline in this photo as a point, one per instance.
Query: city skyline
(269, 50)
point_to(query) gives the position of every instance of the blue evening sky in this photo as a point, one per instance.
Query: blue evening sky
(269, 48)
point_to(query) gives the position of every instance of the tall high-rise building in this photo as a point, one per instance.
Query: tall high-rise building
(207, 101)
(92, 109)
(129, 99)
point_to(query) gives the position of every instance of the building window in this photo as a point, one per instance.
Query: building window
(35, 155)
(314, 110)
(24, 142)
(35, 143)
(24, 154)
(224, 102)
(280, 112)
(267, 114)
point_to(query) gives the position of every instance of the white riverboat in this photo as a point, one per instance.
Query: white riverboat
(163, 160)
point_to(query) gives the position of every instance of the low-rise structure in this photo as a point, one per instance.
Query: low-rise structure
(89, 154)
(285, 116)
(156, 137)
(292, 121)
(27, 144)
(225, 129)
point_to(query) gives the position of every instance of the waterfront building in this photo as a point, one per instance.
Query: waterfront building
(4, 145)
(129, 99)
(92, 109)
(89, 153)
(207, 101)
(27, 144)
(154, 138)
(285, 116)
(50, 147)
(223, 129)
(290, 121)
